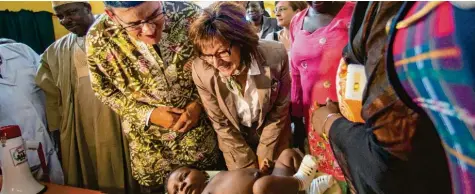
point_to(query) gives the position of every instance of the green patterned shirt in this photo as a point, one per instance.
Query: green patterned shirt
(130, 77)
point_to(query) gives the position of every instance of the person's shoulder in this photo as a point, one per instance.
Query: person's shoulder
(300, 14)
(14, 46)
(60, 43)
(101, 31)
(271, 47)
(186, 8)
(347, 10)
(18, 48)
(297, 19)
(202, 69)
(273, 52)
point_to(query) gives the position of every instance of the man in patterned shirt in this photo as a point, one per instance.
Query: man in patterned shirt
(139, 57)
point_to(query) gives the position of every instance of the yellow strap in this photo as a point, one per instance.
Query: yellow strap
(418, 15)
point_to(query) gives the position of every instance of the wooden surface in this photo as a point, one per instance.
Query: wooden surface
(56, 189)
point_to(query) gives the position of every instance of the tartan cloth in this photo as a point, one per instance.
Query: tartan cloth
(432, 48)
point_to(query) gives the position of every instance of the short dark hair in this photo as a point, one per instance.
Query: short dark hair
(226, 22)
(122, 4)
(261, 3)
(165, 183)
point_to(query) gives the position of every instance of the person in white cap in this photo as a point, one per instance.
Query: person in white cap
(91, 144)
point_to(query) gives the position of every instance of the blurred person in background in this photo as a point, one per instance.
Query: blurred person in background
(284, 11)
(263, 25)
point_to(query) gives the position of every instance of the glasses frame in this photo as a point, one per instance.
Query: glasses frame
(280, 9)
(216, 55)
(139, 26)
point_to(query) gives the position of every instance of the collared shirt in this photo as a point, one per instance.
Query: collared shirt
(22, 104)
(1, 62)
(247, 105)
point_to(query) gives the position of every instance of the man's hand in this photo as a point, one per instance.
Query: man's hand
(320, 115)
(165, 116)
(189, 118)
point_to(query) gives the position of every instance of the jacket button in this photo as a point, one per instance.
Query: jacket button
(326, 84)
(322, 41)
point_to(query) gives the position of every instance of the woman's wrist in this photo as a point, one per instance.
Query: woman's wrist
(329, 122)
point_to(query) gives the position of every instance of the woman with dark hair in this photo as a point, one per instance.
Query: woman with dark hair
(262, 23)
(244, 85)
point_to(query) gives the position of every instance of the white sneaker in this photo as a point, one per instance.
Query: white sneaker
(321, 184)
(306, 172)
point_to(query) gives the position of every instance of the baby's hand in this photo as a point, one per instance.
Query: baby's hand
(266, 166)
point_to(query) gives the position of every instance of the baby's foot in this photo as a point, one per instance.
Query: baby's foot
(321, 184)
(306, 172)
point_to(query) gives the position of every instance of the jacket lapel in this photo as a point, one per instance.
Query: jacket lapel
(266, 23)
(263, 84)
(225, 96)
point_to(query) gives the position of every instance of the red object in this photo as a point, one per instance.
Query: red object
(10, 131)
(13, 131)
(322, 150)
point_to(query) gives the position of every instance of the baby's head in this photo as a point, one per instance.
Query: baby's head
(186, 180)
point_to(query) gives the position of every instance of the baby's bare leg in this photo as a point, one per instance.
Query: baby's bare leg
(288, 163)
(276, 185)
(281, 181)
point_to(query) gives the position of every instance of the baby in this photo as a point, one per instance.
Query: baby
(285, 178)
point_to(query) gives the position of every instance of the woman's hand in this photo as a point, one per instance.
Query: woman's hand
(189, 118)
(165, 116)
(329, 113)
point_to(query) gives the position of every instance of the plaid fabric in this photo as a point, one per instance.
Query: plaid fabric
(430, 65)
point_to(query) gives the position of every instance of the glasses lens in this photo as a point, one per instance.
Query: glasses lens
(223, 54)
(134, 27)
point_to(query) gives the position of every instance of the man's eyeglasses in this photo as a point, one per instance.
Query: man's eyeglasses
(157, 15)
(280, 9)
(218, 55)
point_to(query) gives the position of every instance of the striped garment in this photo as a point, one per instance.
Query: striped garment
(435, 67)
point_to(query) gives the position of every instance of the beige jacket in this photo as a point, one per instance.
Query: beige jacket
(273, 127)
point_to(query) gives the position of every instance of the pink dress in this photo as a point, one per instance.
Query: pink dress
(314, 61)
(315, 58)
